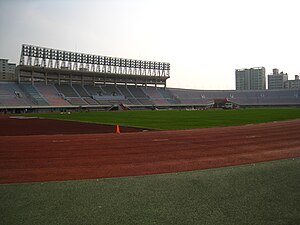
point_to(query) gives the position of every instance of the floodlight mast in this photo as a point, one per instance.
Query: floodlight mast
(59, 59)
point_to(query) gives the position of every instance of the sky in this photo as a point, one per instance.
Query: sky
(203, 40)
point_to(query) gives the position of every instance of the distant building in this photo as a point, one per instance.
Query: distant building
(250, 79)
(7, 70)
(277, 80)
(242, 79)
(293, 84)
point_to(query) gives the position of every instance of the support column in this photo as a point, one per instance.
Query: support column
(58, 77)
(18, 73)
(32, 82)
(22, 60)
(46, 78)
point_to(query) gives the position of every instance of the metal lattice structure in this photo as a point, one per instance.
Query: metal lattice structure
(59, 59)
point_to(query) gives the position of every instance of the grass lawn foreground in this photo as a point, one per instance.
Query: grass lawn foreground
(178, 120)
(256, 194)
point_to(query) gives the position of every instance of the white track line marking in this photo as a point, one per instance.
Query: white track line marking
(61, 140)
(160, 139)
(251, 136)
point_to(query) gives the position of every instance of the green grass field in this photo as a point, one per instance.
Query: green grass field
(264, 193)
(177, 120)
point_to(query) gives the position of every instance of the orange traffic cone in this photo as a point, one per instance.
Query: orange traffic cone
(118, 130)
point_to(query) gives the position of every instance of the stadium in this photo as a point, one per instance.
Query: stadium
(90, 139)
(57, 80)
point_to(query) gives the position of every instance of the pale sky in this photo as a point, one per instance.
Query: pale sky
(204, 40)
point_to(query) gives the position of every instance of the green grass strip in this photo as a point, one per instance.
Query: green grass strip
(264, 193)
(178, 120)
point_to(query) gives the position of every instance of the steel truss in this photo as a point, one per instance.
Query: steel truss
(59, 59)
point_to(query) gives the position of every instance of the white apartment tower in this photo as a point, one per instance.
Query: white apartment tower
(250, 79)
(7, 70)
(293, 84)
(277, 80)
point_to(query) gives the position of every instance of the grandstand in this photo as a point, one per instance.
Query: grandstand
(56, 80)
(249, 98)
(155, 96)
(12, 95)
(26, 95)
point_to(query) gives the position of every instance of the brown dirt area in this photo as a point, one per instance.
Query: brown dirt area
(39, 158)
(22, 126)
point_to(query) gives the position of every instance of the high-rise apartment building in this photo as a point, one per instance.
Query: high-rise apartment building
(277, 80)
(7, 70)
(250, 79)
(293, 84)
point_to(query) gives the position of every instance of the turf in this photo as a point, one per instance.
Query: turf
(178, 120)
(264, 193)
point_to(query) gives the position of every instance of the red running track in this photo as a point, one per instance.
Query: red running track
(39, 158)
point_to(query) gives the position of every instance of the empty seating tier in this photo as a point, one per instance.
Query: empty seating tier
(91, 101)
(81, 91)
(77, 101)
(52, 96)
(93, 90)
(33, 94)
(110, 90)
(155, 97)
(137, 92)
(12, 95)
(125, 91)
(66, 90)
(168, 95)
